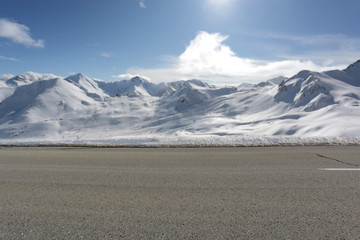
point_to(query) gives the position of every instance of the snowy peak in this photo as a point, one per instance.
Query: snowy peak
(354, 71)
(192, 84)
(198, 83)
(23, 98)
(355, 65)
(139, 86)
(186, 98)
(138, 80)
(312, 90)
(277, 80)
(27, 78)
(269, 83)
(77, 77)
(90, 86)
(306, 89)
(136, 86)
(350, 75)
(304, 74)
(81, 79)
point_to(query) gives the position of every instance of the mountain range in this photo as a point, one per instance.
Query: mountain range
(309, 104)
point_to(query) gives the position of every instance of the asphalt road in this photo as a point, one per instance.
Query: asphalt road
(206, 193)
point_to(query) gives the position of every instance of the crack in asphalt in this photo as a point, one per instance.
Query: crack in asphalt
(337, 160)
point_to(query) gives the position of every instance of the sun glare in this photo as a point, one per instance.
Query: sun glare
(219, 1)
(220, 6)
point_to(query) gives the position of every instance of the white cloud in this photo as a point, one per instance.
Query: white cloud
(128, 76)
(125, 76)
(18, 33)
(208, 58)
(142, 4)
(207, 55)
(9, 59)
(6, 76)
(106, 54)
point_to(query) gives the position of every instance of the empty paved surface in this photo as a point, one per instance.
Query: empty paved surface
(208, 193)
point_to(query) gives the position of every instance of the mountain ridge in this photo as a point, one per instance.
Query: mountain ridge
(78, 107)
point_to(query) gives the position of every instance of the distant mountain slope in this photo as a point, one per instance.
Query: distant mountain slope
(350, 75)
(27, 78)
(45, 106)
(136, 86)
(312, 90)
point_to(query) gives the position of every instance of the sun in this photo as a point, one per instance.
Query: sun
(220, 2)
(220, 7)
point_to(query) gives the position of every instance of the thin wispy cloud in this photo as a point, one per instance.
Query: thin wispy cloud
(18, 33)
(106, 55)
(339, 40)
(127, 76)
(142, 4)
(9, 59)
(207, 57)
(327, 49)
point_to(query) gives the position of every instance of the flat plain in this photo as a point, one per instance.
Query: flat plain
(180, 193)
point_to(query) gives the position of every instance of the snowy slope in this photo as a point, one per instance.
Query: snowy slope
(27, 78)
(136, 86)
(8, 86)
(350, 75)
(86, 84)
(40, 108)
(5, 91)
(44, 107)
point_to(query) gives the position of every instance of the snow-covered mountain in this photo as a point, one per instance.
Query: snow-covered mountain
(27, 78)
(45, 106)
(136, 86)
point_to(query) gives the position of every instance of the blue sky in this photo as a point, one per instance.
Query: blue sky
(222, 41)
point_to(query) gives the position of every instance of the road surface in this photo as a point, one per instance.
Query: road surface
(180, 193)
